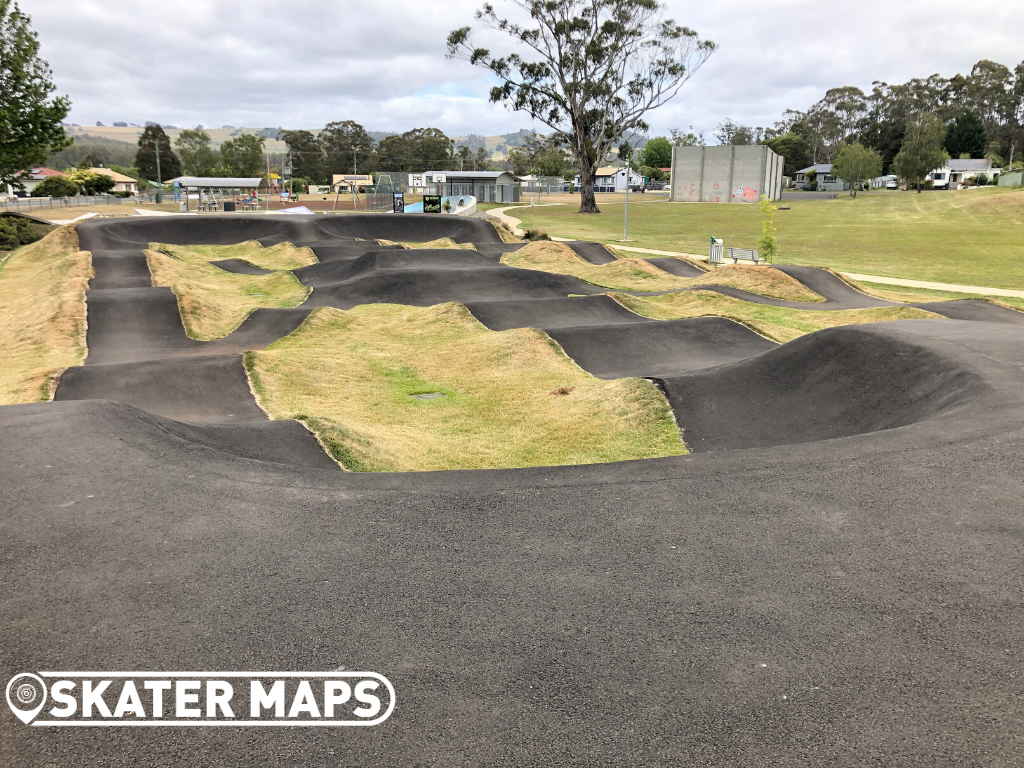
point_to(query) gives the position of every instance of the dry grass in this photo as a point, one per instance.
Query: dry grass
(640, 275)
(280, 256)
(441, 242)
(511, 399)
(213, 302)
(779, 324)
(42, 315)
(693, 259)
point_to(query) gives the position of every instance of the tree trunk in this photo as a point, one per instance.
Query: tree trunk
(919, 186)
(588, 176)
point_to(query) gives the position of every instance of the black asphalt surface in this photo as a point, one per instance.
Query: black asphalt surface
(240, 267)
(659, 348)
(595, 253)
(973, 309)
(676, 266)
(832, 578)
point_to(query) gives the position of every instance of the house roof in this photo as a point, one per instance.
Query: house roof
(492, 175)
(969, 165)
(218, 183)
(818, 168)
(118, 177)
(39, 172)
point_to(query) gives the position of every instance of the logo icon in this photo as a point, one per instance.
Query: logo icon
(26, 696)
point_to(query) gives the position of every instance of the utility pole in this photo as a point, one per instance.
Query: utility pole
(159, 179)
(268, 182)
(625, 223)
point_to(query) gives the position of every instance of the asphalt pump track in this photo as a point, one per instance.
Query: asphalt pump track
(831, 577)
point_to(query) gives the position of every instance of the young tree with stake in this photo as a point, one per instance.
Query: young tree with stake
(594, 69)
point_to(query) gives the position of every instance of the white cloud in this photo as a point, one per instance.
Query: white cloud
(303, 63)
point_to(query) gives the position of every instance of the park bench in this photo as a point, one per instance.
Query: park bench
(747, 254)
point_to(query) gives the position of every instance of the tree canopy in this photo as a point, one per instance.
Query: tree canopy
(855, 164)
(591, 70)
(30, 121)
(966, 136)
(657, 153)
(243, 155)
(145, 158)
(922, 150)
(198, 158)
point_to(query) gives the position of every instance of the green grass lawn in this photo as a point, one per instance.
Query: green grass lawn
(970, 237)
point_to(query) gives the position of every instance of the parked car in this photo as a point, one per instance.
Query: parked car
(892, 184)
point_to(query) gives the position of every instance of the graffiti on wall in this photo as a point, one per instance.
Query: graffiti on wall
(747, 194)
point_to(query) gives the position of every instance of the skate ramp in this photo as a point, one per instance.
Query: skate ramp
(212, 388)
(833, 383)
(240, 267)
(595, 253)
(659, 348)
(425, 287)
(676, 267)
(120, 269)
(317, 275)
(560, 312)
(974, 309)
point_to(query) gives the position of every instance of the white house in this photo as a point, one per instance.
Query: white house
(954, 172)
(33, 177)
(612, 179)
(822, 173)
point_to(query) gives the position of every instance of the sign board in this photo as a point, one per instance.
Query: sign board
(431, 203)
(399, 202)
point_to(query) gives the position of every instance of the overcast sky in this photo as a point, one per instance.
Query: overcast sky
(302, 63)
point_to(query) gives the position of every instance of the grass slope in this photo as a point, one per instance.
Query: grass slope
(969, 237)
(779, 324)
(350, 376)
(639, 275)
(441, 242)
(42, 315)
(280, 256)
(213, 302)
(917, 295)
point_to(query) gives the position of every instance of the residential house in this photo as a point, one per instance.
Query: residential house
(612, 179)
(32, 178)
(822, 174)
(955, 172)
(122, 183)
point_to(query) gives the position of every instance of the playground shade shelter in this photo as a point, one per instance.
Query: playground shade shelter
(214, 186)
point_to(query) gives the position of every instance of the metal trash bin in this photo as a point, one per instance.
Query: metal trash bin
(229, 206)
(159, 197)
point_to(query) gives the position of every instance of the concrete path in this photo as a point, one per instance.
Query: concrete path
(951, 287)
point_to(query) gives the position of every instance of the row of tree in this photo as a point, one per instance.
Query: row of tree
(982, 112)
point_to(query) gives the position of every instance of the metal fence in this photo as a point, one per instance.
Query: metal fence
(29, 204)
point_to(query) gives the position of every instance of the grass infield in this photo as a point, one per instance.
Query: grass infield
(509, 399)
(213, 302)
(968, 237)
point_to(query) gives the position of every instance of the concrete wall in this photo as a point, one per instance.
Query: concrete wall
(725, 174)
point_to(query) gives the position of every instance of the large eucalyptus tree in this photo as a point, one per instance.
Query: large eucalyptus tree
(591, 70)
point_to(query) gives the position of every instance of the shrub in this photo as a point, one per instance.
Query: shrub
(55, 186)
(537, 234)
(92, 183)
(15, 232)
